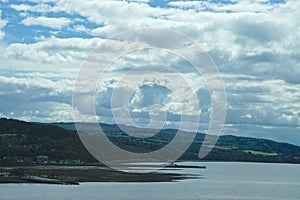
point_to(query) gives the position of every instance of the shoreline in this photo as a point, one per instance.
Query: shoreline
(76, 174)
(70, 175)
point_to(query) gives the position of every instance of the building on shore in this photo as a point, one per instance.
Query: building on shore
(42, 159)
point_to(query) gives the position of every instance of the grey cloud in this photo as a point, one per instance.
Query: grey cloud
(150, 95)
(257, 29)
(25, 97)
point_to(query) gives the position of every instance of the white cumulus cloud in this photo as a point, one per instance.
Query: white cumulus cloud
(51, 22)
(53, 50)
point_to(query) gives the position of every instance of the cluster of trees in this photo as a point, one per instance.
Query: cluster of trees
(23, 142)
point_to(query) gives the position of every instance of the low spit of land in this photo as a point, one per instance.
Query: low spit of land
(75, 174)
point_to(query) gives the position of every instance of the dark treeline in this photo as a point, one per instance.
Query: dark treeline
(22, 142)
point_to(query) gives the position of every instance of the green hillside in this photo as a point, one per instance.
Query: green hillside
(22, 142)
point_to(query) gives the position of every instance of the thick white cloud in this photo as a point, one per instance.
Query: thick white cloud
(234, 6)
(53, 50)
(40, 8)
(246, 33)
(55, 23)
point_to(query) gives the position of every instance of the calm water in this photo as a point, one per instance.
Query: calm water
(230, 181)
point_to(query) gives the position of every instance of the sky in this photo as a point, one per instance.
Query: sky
(255, 45)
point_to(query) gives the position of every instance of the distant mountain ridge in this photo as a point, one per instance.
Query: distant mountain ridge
(23, 141)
